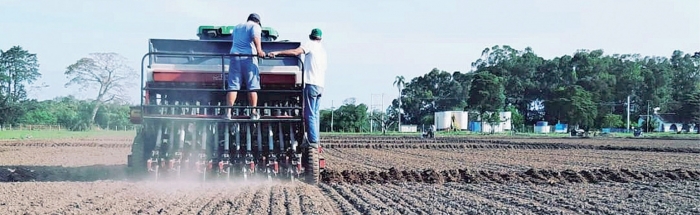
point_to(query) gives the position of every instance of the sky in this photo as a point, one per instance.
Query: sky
(368, 43)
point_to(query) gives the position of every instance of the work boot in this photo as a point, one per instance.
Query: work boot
(307, 144)
(254, 116)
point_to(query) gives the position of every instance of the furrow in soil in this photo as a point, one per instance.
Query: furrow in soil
(241, 202)
(438, 200)
(346, 160)
(359, 203)
(340, 204)
(312, 200)
(277, 200)
(525, 203)
(379, 204)
(260, 201)
(403, 202)
(291, 201)
(571, 203)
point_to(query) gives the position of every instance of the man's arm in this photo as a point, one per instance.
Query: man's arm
(288, 52)
(257, 33)
(258, 46)
(291, 52)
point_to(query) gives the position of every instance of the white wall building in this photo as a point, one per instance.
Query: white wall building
(504, 125)
(446, 119)
(665, 122)
(542, 127)
(408, 128)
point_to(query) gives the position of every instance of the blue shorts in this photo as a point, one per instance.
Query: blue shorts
(243, 69)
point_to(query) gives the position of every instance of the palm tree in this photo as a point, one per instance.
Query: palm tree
(399, 83)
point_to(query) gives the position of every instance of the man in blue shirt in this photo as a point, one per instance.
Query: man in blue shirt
(247, 41)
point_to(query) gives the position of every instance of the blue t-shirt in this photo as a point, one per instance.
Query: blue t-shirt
(243, 35)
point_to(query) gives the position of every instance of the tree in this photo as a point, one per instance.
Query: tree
(486, 93)
(517, 119)
(493, 119)
(690, 109)
(571, 104)
(325, 124)
(347, 118)
(612, 121)
(399, 83)
(18, 68)
(435, 91)
(519, 72)
(686, 76)
(382, 119)
(391, 114)
(108, 73)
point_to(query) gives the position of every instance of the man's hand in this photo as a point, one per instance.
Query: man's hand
(272, 54)
(261, 53)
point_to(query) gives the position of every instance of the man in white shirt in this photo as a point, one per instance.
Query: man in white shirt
(315, 65)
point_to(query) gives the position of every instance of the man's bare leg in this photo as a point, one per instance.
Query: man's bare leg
(253, 97)
(231, 99)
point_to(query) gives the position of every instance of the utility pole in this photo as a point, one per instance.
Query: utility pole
(628, 113)
(373, 105)
(332, 110)
(648, 116)
(371, 122)
(383, 111)
(399, 110)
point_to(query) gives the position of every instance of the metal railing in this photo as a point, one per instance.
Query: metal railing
(223, 80)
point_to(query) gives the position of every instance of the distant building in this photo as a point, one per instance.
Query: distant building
(476, 125)
(504, 125)
(451, 120)
(664, 122)
(409, 128)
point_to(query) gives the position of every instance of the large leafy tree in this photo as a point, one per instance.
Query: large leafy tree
(685, 76)
(435, 91)
(486, 93)
(518, 71)
(18, 69)
(690, 108)
(350, 117)
(572, 104)
(487, 96)
(108, 73)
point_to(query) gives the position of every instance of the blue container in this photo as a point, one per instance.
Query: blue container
(605, 130)
(560, 127)
(475, 126)
(541, 123)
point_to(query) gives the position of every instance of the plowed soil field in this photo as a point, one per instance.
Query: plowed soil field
(374, 175)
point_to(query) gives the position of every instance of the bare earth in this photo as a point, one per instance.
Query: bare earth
(373, 175)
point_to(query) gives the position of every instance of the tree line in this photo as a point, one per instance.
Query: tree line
(75, 114)
(587, 89)
(105, 75)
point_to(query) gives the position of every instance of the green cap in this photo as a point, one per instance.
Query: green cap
(316, 33)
